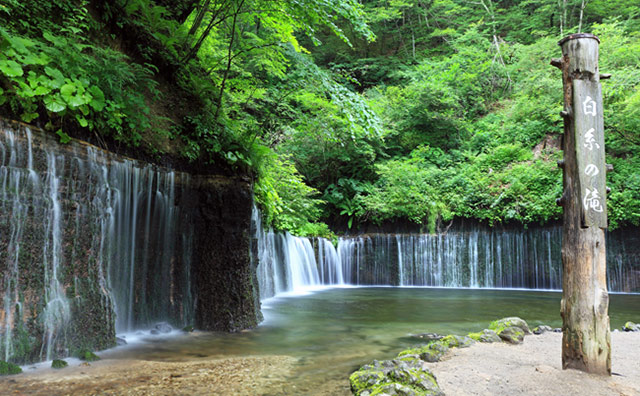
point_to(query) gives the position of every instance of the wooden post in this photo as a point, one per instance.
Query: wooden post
(586, 341)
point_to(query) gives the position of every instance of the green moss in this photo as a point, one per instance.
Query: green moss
(7, 368)
(475, 336)
(365, 379)
(431, 352)
(187, 329)
(87, 355)
(454, 341)
(59, 364)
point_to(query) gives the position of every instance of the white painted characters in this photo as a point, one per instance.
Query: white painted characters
(591, 170)
(592, 200)
(590, 140)
(589, 106)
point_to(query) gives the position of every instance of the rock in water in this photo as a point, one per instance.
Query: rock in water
(120, 341)
(630, 326)
(163, 328)
(513, 335)
(7, 368)
(87, 355)
(59, 364)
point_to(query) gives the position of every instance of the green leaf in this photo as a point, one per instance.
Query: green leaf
(67, 91)
(28, 117)
(64, 138)
(54, 103)
(41, 90)
(56, 75)
(11, 68)
(97, 101)
(82, 121)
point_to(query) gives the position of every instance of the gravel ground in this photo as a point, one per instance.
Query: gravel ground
(535, 368)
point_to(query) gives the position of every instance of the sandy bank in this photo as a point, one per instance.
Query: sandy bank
(535, 368)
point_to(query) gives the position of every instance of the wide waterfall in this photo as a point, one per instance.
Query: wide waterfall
(84, 234)
(473, 256)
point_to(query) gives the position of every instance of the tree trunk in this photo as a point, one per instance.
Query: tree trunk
(586, 342)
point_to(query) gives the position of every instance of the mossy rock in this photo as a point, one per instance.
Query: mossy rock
(630, 326)
(455, 341)
(187, 329)
(7, 368)
(512, 335)
(87, 355)
(499, 325)
(59, 364)
(541, 329)
(406, 377)
(485, 335)
(429, 353)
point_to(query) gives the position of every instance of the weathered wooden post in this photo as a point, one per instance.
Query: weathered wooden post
(586, 341)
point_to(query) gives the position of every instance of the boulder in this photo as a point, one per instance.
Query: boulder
(630, 326)
(429, 353)
(87, 355)
(512, 335)
(59, 364)
(514, 321)
(188, 329)
(7, 368)
(542, 329)
(120, 341)
(163, 328)
(402, 377)
(485, 335)
(454, 341)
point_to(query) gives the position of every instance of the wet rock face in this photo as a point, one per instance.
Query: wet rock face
(226, 285)
(92, 244)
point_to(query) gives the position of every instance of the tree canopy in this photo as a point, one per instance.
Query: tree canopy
(343, 111)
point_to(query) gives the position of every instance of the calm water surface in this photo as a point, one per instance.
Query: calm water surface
(334, 331)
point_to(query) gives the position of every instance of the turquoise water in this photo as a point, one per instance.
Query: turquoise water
(334, 331)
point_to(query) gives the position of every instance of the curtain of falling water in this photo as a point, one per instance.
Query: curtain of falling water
(118, 218)
(474, 257)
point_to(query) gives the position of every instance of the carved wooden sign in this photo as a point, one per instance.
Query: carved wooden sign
(589, 138)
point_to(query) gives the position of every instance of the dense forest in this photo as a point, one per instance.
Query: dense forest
(343, 112)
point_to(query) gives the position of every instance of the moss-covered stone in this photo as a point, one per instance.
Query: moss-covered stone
(59, 364)
(87, 355)
(499, 325)
(429, 353)
(513, 335)
(394, 377)
(7, 368)
(485, 335)
(187, 329)
(541, 329)
(630, 326)
(455, 341)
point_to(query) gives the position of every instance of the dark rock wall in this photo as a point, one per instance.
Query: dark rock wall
(225, 279)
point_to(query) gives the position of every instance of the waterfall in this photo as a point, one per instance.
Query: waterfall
(90, 244)
(472, 257)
